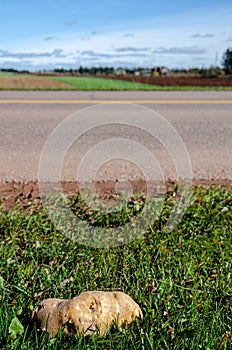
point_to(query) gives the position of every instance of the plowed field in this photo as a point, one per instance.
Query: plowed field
(31, 82)
(179, 81)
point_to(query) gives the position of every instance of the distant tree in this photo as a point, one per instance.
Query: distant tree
(93, 70)
(227, 61)
(109, 70)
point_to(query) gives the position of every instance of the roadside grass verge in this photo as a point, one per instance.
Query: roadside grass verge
(95, 83)
(181, 279)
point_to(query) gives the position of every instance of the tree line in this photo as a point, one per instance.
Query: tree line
(207, 72)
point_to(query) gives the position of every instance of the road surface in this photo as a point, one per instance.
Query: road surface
(200, 121)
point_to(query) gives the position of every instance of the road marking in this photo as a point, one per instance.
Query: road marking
(93, 102)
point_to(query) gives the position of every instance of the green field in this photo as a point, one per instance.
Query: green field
(6, 74)
(95, 83)
(181, 279)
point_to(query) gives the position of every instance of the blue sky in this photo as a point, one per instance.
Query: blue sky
(49, 34)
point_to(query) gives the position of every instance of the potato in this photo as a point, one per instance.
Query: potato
(50, 315)
(90, 312)
(95, 311)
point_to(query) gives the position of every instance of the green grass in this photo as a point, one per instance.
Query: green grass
(11, 74)
(94, 83)
(181, 279)
(7, 74)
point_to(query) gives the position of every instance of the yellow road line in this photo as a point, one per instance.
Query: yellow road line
(92, 102)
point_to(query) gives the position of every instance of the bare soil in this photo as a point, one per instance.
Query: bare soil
(26, 195)
(178, 80)
(31, 82)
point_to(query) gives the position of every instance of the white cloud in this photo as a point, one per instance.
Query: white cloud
(128, 35)
(202, 36)
(133, 49)
(50, 38)
(56, 53)
(151, 46)
(71, 23)
(186, 50)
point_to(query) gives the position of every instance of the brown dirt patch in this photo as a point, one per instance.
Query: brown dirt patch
(31, 82)
(26, 196)
(179, 81)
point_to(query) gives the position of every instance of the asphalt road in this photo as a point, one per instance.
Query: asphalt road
(174, 134)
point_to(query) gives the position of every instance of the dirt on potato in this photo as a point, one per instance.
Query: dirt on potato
(31, 82)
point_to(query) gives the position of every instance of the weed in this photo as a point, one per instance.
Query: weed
(181, 279)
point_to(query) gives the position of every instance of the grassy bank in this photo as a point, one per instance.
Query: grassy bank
(181, 279)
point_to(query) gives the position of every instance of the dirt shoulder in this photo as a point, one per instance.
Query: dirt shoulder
(31, 82)
(26, 195)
